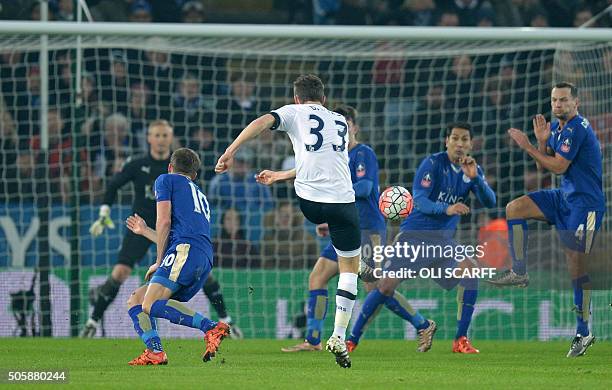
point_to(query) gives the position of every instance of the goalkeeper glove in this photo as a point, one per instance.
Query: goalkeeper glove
(104, 221)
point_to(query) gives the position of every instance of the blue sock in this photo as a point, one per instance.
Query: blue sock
(146, 328)
(371, 306)
(517, 241)
(399, 305)
(582, 300)
(317, 310)
(179, 314)
(467, 292)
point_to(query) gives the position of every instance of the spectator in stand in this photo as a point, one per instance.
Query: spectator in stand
(19, 179)
(58, 156)
(140, 113)
(140, 12)
(286, 244)
(63, 9)
(113, 148)
(238, 189)
(116, 82)
(461, 87)
(470, 11)
(203, 142)
(448, 19)
(111, 10)
(157, 70)
(8, 149)
(239, 108)
(582, 16)
(539, 19)
(418, 13)
(232, 249)
(27, 104)
(13, 72)
(189, 108)
(192, 12)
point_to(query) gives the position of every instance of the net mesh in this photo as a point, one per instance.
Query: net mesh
(406, 92)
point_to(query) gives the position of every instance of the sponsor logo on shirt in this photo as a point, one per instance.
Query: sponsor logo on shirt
(146, 169)
(426, 180)
(361, 170)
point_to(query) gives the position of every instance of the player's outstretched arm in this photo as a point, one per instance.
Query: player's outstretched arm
(254, 128)
(138, 225)
(556, 164)
(268, 177)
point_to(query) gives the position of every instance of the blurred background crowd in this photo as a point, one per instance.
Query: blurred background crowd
(484, 13)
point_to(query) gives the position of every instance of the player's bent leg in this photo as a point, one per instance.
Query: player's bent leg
(581, 284)
(348, 266)
(467, 293)
(212, 290)
(102, 296)
(323, 270)
(426, 329)
(146, 328)
(370, 308)
(518, 212)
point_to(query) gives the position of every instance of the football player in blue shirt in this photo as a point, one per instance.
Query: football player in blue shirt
(441, 187)
(184, 260)
(568, 146)
(363, 166)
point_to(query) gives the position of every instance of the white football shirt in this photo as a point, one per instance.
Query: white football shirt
(320, 142)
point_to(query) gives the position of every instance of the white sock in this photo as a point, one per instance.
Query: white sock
(345, 300)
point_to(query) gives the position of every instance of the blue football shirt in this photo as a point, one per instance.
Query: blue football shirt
(190, 211)
(582, 182)
(443, 183)
(364, 166)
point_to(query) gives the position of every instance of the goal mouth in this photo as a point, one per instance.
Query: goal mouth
(209, 82)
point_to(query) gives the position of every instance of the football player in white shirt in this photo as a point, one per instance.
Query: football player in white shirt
(322, 183)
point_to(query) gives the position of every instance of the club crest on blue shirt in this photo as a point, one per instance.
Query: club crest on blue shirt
(565, 146)
(466, 179)
(426, 180)
(361, 170)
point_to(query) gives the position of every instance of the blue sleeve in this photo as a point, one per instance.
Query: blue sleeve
(424, 182)
(482, 190)
(570, 142)
(366, 172)
(163, 188)
(363, 188)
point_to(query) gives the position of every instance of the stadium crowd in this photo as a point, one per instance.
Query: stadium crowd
(483, 13)
(209, 102)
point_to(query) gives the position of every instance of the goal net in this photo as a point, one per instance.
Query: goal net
(406, 91)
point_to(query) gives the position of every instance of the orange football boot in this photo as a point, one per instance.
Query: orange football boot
(149, 357)
(463, 345)
(213, 339)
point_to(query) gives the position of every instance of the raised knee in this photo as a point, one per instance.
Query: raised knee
(146, 307)
(513, 209)
(121, 273)
(132, 300)
(386, 288)
(314, 281)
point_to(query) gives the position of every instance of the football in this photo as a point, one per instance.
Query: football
(395, 203)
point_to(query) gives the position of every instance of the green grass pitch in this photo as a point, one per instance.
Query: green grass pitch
(389, 364)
